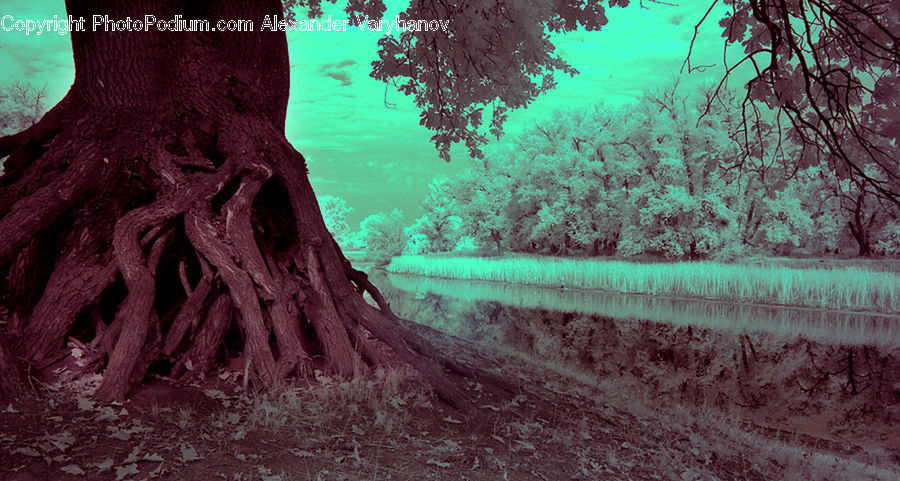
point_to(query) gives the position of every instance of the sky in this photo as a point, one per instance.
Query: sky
(379, 158)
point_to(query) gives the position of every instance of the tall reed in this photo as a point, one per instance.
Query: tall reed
(840, 288)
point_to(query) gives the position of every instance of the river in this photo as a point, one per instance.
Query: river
(803, 370)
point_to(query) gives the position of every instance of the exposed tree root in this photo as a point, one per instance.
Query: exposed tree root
(12, 381)
(197, 256)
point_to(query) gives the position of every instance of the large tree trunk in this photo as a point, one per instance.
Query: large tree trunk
(159, 207)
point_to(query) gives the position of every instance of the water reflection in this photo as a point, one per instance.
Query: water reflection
(783, 363)
(814, 324)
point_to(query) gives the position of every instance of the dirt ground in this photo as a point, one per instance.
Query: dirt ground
(386, 426)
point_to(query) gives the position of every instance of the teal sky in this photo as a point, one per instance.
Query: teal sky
(379, 158)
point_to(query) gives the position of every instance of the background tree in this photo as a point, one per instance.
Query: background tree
(383, 235)
(668, 176)
(335, 211)
(21, 105)
(568, 192)
(865, 210)
(159, 203)
(438, 229)
(482, 193)
(888, 240)
(685, 202)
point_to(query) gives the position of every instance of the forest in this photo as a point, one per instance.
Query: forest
(667, 178)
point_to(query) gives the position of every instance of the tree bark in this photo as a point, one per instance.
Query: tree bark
(12, 381)
(860, 226)
(169, 208)
(496, 237)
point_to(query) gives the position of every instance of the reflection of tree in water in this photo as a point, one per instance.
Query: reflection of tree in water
(826, 326)
(470, 320)
(774, 374)
(706, 367)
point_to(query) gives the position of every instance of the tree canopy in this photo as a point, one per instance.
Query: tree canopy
(828, 72)
(824, 72)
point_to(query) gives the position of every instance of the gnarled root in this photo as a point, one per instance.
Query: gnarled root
(205, 255)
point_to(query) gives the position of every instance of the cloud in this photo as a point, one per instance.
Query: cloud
(338, 71)
(341, 77)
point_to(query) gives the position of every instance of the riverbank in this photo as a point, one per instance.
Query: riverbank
(836, 286)
(387, 426)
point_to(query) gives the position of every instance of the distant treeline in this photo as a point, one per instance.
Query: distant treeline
(671, 176)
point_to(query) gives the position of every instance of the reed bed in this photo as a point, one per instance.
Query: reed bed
(846, 288)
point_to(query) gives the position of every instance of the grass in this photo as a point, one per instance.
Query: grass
(842, 288)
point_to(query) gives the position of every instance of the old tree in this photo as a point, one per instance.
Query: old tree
(158, 216)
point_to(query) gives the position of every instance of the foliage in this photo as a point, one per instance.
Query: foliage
(632, 180)
(785, 222)
(481, 195)
(664, 177)
(888, 241)
(684, 202)
(21, 105)
(383, 236)
(335, 211)
(829, 70)
(438, 229)
(496, 55)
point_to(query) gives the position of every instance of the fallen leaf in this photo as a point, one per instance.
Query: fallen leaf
(85, 404)
(440, 464)
(122, 471)
(28, 451)
(62, 440)
(72, 469)
(106, 414)
(159, 471)
(214, 393)
(189, 453)
(133, 455)
(104, 465)
(525, 445)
